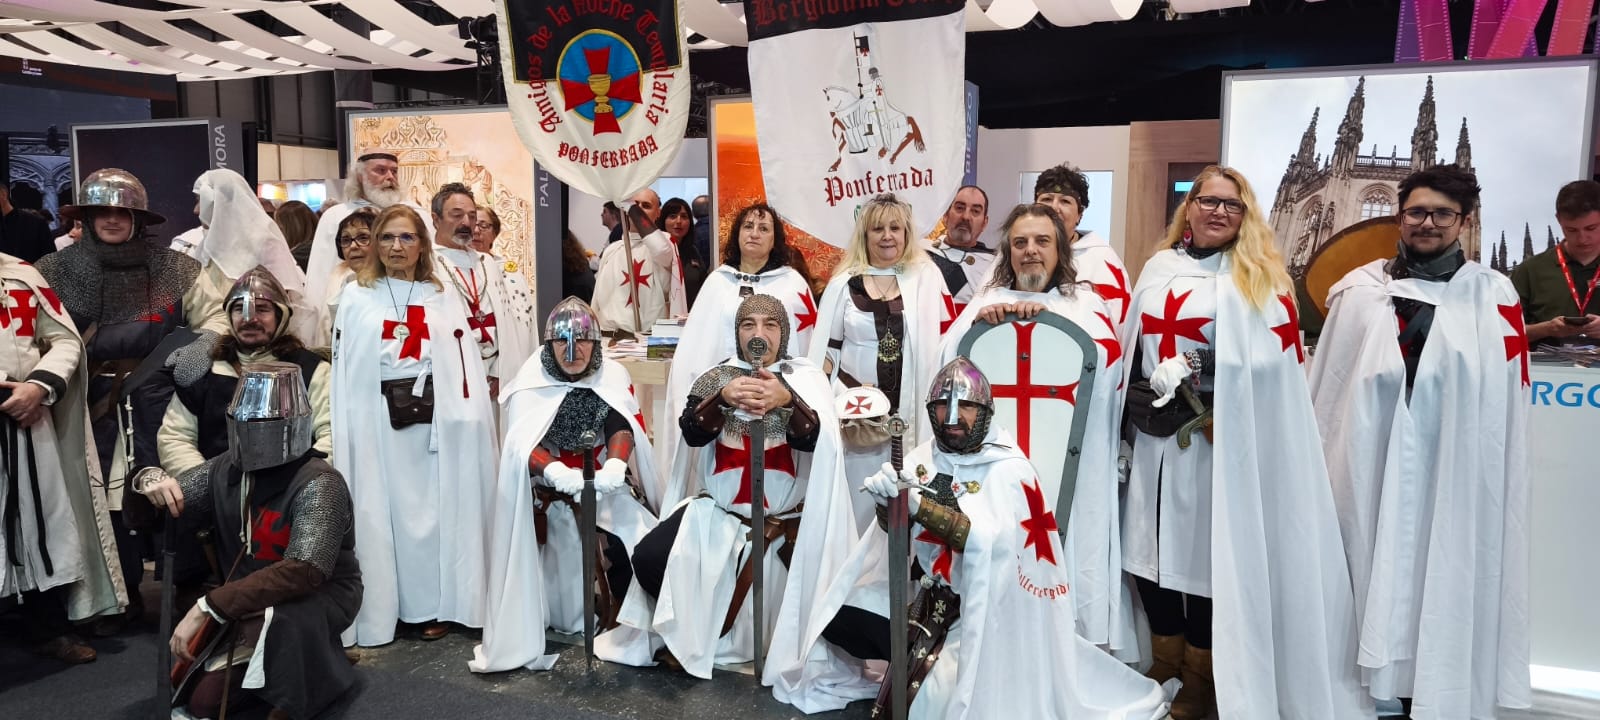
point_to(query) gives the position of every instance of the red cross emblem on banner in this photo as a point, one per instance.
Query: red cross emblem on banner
(1170, 327)
(809, 317)
(1289, 332)
(778, 457)
(270, 535)
(19, 307)
(611, 88)
(638, 278)
(416, 330)
(1115, 295)
(481, 326)
(1039, 524)
(943, 557)
(1517, 341)
(1024, 391)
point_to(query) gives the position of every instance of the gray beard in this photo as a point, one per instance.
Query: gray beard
(382, 197)
(1032, 282)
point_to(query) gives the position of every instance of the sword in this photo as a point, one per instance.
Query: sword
(755, 351)
(169, 564)
(1201, 421)
(586, 524)
(899, 575)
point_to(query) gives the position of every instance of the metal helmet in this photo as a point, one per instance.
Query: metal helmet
(572, 320)
(957, 382)
(259, 284)
(270, 419)
(113, 188)
(763, 305)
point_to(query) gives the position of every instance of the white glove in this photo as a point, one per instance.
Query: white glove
(1171, 373)
(885, 484)
(611, 477)
(564, 479)
(160, 489)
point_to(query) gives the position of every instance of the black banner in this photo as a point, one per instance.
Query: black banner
(543, 30)
(770, 18)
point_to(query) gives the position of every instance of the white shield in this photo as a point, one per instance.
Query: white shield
(1041, 372)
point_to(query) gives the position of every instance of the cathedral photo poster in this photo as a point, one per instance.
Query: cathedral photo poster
(1326, 148)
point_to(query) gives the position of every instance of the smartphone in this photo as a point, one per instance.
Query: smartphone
(1578, 320)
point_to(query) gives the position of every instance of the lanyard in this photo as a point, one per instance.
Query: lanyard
(1572, 287)
(474, 296)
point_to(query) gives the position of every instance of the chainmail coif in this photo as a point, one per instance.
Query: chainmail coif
(106, 283)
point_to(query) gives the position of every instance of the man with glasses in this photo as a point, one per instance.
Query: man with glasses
(500, 316)
(1421, 393)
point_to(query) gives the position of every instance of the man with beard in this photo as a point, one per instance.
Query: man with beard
(962, 259)
(692, 579)
(1420, 385)
(374, 182)
(1066, 189)
(991, 630)
(282, 518)
(654, 273)
(125, 296)
(567, 390)
(500, 318)
(1033, 275)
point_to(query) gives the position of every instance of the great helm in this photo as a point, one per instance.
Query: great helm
(572, 320)
(259, 284)
(270, 419)
(957, 382)
(113, 188)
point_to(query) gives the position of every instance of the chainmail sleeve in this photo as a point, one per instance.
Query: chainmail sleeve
(196, 486)
(321, 518)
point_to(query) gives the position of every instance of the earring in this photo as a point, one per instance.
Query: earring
(1188, 236)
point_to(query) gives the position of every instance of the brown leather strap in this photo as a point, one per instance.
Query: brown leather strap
(118, 370)
(605, 606)
(786, 528)
(931, 614)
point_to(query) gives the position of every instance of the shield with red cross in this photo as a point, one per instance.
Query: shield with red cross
(1041, 372)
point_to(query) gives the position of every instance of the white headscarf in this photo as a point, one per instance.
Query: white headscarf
(240, 235)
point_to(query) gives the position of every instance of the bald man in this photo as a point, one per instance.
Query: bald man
(655, 272)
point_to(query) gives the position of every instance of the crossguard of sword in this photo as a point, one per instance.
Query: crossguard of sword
(897, 426)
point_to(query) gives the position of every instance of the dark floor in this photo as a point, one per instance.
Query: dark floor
(409, 678)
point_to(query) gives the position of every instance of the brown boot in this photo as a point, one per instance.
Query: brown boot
(69, 649)
(1168, 653)
(1197, 699)
(434, 631)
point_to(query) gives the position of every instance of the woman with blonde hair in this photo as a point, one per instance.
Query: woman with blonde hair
(879, 325)
(1229, 523)
(414, 435)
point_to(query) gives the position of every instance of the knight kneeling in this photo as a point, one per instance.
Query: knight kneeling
(991, 629)
(281, 515)
(756, 428)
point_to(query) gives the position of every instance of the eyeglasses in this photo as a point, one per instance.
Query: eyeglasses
(485, 226)
(401, 239)
(1442, 217)
(362, 240)
(1229, 206)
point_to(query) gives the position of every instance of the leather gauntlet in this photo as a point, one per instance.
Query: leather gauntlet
(948, 524)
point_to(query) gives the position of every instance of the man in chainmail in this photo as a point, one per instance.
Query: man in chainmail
(992, 623)
(125, 294)
(282, 516)
(566, 402)
(707, 537)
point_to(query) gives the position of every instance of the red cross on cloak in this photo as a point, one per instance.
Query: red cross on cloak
(20, 308)
(1170, 327)
(270, 535)
(1113, 348)
(416, 326)
(1025, 391)
(481, 326)
(1517, 341)
(50, 297)
(950, 312)
(943, 558)
(778, 457)
(807, 319)
(638, 416)
(622, 88)
(1117, 292)
(1039, 524)
(638, 278)
(1289, 332)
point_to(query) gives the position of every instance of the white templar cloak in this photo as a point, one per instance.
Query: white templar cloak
(506, 333)
(709, 336)
(1097, 263)
(654, 271)
(1014, 652)
(712, 543)
(420, 493)
(1432, 490)
(1094, 541)
(1250, 521)
(66, 495)
(926, 305)
(320, 267)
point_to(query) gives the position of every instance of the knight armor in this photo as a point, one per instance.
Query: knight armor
(957, 382)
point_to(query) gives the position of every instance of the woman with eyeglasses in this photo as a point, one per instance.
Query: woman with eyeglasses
(1229, 525)
(414, 435)
(354, 245)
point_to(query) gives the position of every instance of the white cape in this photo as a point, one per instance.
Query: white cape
(1104, 609)
(420, 494)
(1283, 616)
(1097, 263)
(1432, 493)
